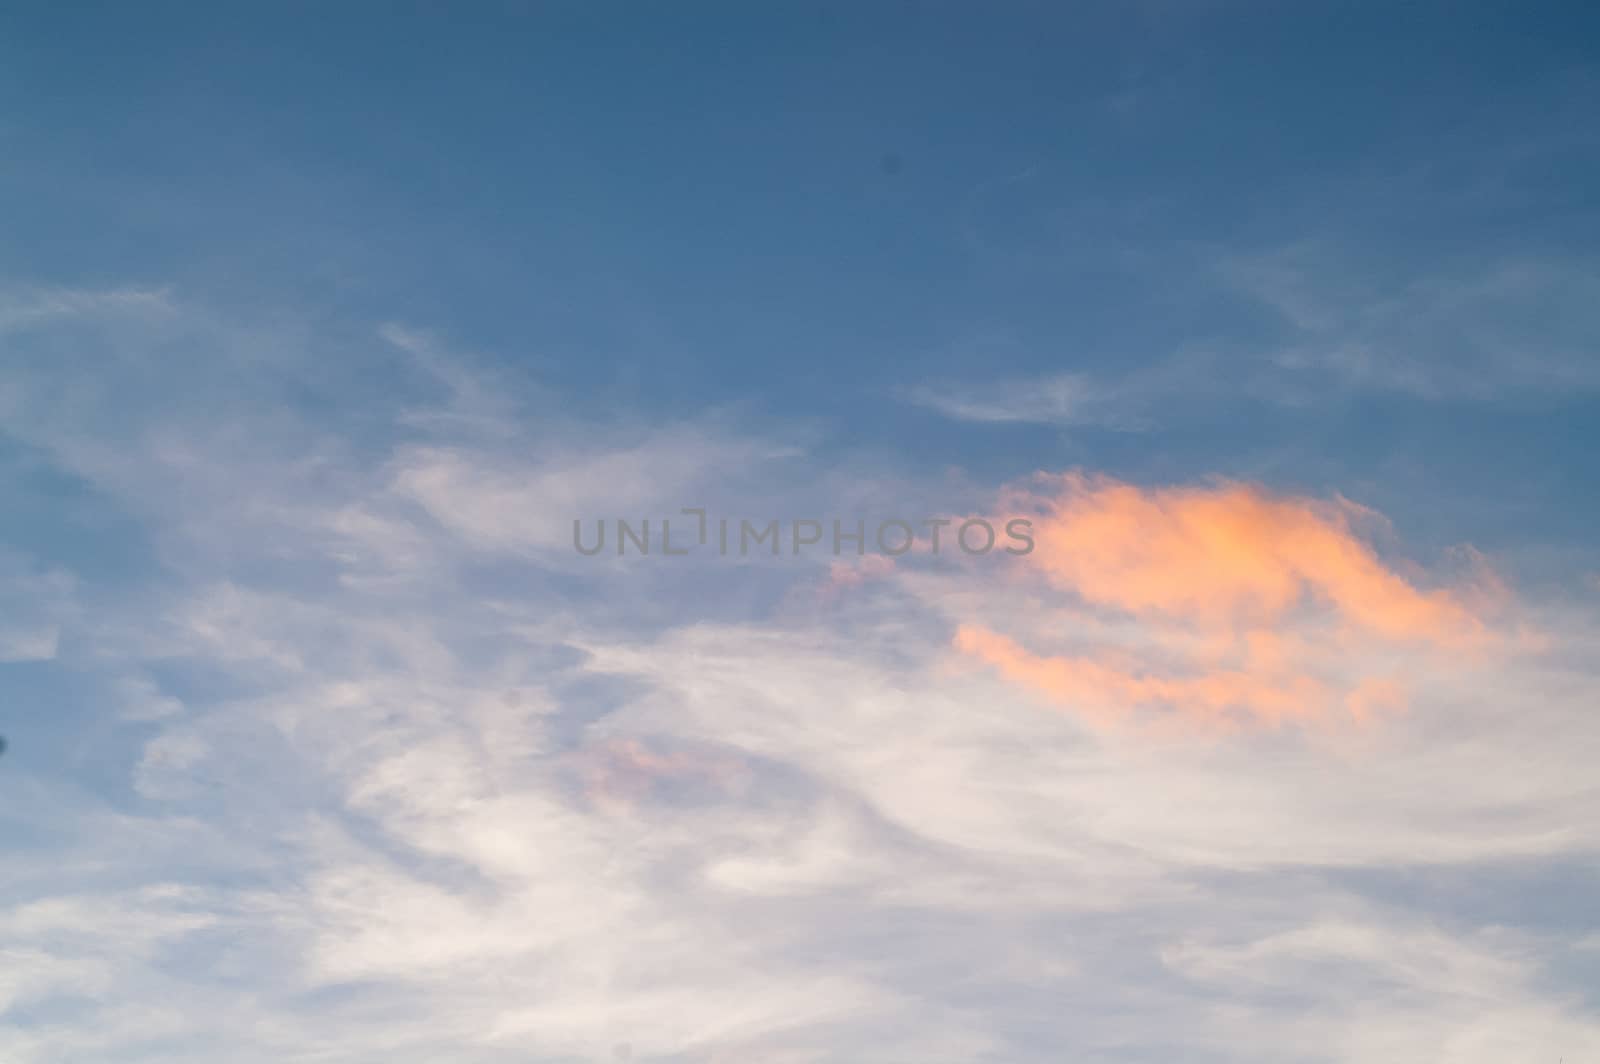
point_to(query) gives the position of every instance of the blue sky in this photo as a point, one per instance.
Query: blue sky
(805, 213)
(319, 324)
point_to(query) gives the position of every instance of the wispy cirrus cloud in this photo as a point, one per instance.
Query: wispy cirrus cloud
(1507, 329)
(1333, 321)
(32, 307)
(392, 772)
(1057, 399)
(38, 602)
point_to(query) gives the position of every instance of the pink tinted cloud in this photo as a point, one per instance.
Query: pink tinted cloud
(1249, 604)
(619, 774)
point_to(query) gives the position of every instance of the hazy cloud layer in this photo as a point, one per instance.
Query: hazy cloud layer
(394, 775)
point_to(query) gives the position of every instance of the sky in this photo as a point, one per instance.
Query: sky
(322, 325)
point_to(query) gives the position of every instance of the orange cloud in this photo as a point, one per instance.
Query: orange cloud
(1250, 603)
(1104, 690)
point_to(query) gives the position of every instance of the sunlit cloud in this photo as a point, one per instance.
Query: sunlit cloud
(1245, 602)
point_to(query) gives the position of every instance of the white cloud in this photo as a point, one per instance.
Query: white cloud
(1348, 324)
(1373, 991)
(34, 307)
(421, 801)
(1057, 399)
(1505, 329)
(38, 602)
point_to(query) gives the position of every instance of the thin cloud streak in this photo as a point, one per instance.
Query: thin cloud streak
(1058, 399)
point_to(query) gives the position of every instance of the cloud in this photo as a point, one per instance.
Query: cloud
(1058, 399)
(1366, 989)
(39, 602)
(1246, 601)
(848, 575)
(29, 308)
(29, 644)
(1334, 321)
(1510, 328)
(525, 507)
(618, 773)
(1229, 553)
(143, 700)
(411, 788)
